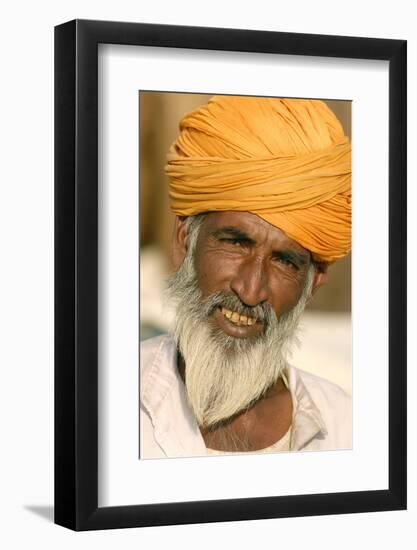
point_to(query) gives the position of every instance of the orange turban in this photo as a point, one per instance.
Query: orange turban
(286, 160)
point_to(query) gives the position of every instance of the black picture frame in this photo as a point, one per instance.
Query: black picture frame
(76, 272)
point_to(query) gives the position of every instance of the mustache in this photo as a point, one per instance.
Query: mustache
(262, 312)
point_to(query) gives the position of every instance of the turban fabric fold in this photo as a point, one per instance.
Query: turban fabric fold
(286, 160)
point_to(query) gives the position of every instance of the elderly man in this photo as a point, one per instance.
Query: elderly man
(262, 192)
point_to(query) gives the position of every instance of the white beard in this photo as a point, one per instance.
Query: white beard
(225, 375)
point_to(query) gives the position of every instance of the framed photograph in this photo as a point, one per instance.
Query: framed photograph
(230, 275)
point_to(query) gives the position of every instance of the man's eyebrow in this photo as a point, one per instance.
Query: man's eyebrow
(233, 233)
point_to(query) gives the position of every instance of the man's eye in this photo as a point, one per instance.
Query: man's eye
(287, 262)
(232, 241)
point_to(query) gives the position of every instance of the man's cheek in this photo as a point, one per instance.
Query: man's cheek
(209, 276)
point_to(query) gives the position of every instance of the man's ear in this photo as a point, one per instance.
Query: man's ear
(320, 276)
(179, 240)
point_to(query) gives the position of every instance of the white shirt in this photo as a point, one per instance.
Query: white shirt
(322, 413)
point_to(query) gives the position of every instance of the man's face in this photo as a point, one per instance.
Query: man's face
(240, 289)
(239, 253)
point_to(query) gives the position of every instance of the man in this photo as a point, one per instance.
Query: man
(262, 192)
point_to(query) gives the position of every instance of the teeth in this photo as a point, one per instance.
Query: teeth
(238, 319)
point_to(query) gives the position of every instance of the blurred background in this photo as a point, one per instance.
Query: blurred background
(325, 332)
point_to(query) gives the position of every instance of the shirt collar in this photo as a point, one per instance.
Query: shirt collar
(307, 422)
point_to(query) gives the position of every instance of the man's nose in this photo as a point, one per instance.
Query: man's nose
(251, 282)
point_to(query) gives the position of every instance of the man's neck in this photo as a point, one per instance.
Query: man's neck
(259, 427)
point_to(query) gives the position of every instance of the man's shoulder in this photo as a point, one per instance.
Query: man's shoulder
(316, 383)
(328, 396)
(327, 404)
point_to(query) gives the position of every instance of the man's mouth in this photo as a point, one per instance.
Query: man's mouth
(237, 318)
(238, 325)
